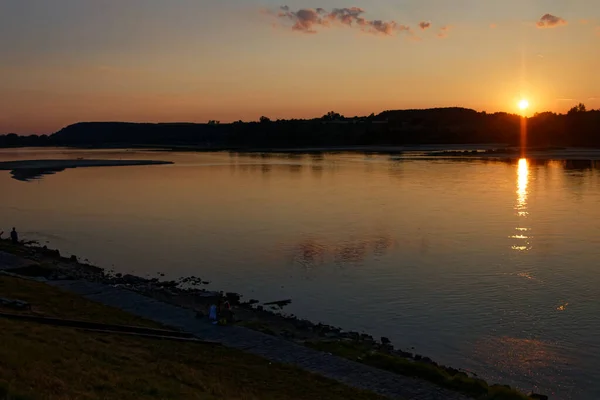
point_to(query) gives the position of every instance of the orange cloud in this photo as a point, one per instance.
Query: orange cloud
(493, 26)
(584, 21)
(307, 20)
(550, 21)
(443, 33)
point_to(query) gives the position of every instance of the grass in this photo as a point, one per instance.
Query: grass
(459, 381)
(7, 394)
(55, 363)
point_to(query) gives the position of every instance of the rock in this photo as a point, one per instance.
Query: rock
(199, 314)
(350, 335)
(418, 357)
(404, 354)
(538, 396)
(73, 258)
(253, 301)
(132, 279)
(385, 340)
(279, 303)
(233, 298)
(331, 335)
(168, 284)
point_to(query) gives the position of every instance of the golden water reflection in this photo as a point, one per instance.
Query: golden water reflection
(522, 183)
(522, 236)
(531, 360)
(313, 252)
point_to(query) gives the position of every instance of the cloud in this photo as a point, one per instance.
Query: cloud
(550, 21)
(584, 21)
(493, 26)
(598, 30)
(443, 33)
(424, 25)
(307, 20)
(565, 99)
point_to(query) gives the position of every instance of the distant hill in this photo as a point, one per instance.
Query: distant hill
(394, 127)
(98, 133)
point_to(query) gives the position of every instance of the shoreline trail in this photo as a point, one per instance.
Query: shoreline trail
(276, 349)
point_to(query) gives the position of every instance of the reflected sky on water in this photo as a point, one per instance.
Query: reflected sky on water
(487, 265)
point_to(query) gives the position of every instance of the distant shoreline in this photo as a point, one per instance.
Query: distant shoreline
(470, 152)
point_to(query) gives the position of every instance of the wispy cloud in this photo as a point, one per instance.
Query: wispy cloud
(309, 20)
(443, 33)
(598, 30)
(584, 21)
(424, 25)
(565, 99)
(493, 26)
(550, 21)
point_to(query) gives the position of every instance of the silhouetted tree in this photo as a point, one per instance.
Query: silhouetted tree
(214, 122)
(264, 120)
(332, 116)
(579, 108)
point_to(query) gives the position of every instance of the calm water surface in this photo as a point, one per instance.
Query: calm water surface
(488, 266)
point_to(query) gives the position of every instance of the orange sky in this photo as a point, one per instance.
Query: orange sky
(70, 61)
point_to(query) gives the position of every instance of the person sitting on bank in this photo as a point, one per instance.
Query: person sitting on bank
(227, 312)
(14, 236)
(212, 313)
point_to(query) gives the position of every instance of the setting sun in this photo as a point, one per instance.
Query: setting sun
(523, 104)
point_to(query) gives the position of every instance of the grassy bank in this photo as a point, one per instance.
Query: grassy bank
(45, 362)
(454, 380)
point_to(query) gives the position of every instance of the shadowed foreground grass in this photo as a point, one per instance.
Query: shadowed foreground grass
(45, 362)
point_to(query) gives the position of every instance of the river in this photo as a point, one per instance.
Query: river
(486, 265)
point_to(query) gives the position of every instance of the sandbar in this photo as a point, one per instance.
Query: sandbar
(26, 170)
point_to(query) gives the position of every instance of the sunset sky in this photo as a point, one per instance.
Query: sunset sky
(64, 61)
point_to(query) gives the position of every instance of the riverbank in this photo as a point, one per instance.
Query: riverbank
(62, 363)
(191, 293)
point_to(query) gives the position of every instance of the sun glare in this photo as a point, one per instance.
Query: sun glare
(523, 104)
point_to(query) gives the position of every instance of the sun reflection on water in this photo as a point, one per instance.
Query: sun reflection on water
(521, 206)
(522, 183)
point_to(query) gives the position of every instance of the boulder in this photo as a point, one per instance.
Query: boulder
(233, 298)
(132, 279)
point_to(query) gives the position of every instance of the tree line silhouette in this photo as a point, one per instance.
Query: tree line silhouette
(578, 127)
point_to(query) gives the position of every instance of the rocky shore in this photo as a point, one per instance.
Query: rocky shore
(192, 293)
